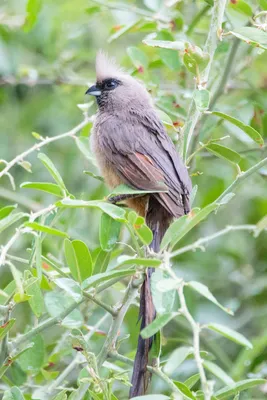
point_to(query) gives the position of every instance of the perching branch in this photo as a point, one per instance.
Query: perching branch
(42, 143)
(110, 342)
(194, 326)
(200, 243)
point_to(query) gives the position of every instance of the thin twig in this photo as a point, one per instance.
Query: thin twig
(110, 342)
(42, 143)
(196, 332)
(198, 244)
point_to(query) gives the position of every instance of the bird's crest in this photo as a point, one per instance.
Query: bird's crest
(106, 67)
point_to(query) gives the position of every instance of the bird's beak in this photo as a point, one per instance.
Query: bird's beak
(94, 91)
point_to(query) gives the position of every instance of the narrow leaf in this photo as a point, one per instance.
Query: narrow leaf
(138, 57)
(52, 170)
(238, 387)
(13, 394)
(224, 152)
(9, 220)
(261, 225)
(114, 211)
(202, 99)
(146, 262)
(184, 390)
(165, 44)
(109, 232)
(125, 189)
(190, 382)
(176, 358)
(183, 225)
(144, 233)
(157, 324)
(47, 187)
(84, 259)
(230, 334)
(251, 132)
(96, 279)
(5, 328)
(71, 259)
(42, 228)
(251, 35)
(204, 291)
(217, 371)
(5, 211)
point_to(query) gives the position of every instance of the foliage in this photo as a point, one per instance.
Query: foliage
(71, 263)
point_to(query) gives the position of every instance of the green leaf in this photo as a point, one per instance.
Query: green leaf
(61, 395)
(124, 29)
(5, 328)
(79, 259)
(10, 220)
(224, 152)
(53, 171)
(144, 233)
(169, 57)
(165, 285)
(109, 232)
(33, 358)
(71, 287)
(251, 35)
(242, 7)
(190, 382)
(98, 278)
(163, 301)
(176, 358)
(165, 44)
(51, 188)
(263, 4)
(33, 9)
(5, 211)
(36, 300)
(183, 225)
(83, 145)
(146, 262)
(184, 390)
(204, 291)
(230, 334)
(156, 346)
(217, 371)
(157, 324)
(190, 63)
(101, 262)
(165, 119)
(13, 394)
(114, 211)
(56, 303)
(202, 99)
(99, 178)
(238, 387)
(138, 57)
(42, 228)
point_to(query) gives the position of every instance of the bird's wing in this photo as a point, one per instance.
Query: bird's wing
(145, 158)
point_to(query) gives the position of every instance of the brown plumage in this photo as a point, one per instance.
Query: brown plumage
(132, 147)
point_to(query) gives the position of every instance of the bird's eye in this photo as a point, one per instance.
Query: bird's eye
(110, 84)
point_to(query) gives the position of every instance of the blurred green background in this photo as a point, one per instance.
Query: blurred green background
(44, 72)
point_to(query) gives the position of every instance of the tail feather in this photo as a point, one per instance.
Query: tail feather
(158, 220)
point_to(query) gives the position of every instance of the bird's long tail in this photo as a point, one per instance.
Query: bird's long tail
(158, 220)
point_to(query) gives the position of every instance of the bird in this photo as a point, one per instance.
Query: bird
(132, 147)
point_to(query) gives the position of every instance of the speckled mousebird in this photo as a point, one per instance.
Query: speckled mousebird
(132, 147)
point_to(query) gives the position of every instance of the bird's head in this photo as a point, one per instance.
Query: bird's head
(115, 89)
